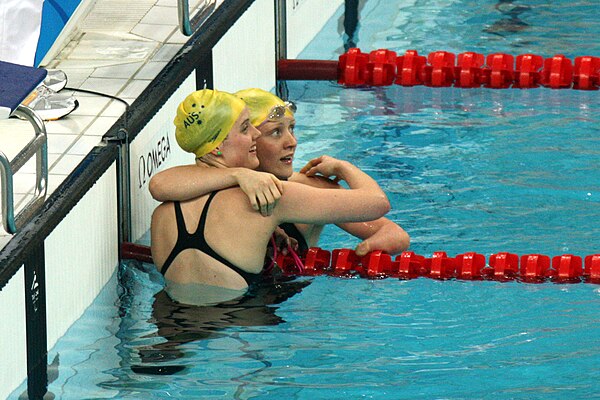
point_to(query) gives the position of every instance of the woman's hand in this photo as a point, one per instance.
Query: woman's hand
(283, 241)
(263, 189)
(326, 166)
(390, 238)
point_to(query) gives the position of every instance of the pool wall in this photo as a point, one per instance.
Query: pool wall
(81, 253)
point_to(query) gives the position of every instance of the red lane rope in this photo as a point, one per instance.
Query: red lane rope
(441, 69)
(533, 268)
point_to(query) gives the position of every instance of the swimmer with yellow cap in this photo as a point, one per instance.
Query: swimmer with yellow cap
(212, 125)
(212, 247)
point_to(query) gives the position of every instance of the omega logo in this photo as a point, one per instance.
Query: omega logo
(148, 165)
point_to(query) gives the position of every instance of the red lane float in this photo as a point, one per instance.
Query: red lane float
(592, 268)
(343, 261)
(316, 261)
(469, 266)
(557, 72)
(528, 71)
(469, 70)
(586, 75)
(353, 68)
(409, 67)
(531, 268)
(442, 69)
(500, 72)
(381, 68)
(411, 265)
(504, 266)
(567, 267)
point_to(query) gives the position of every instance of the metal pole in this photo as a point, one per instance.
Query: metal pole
(280, 30)
(123, 185)
(280, 43)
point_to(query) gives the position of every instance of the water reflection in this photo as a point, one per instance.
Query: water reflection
(511, 23)
(172, 325)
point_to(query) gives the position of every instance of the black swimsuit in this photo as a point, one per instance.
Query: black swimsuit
(196, 240)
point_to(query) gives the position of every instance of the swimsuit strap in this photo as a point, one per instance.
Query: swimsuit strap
(181, 244)
(202, 222)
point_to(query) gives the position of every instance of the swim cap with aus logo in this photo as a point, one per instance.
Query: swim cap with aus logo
(204, 120)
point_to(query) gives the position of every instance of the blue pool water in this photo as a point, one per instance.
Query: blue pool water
(466, 170)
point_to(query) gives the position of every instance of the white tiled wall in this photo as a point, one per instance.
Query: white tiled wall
(81, 257)
(245, 56)
(305, 18)
(12, 329)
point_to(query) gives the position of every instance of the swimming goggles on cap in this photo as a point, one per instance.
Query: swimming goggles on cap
(278, 111)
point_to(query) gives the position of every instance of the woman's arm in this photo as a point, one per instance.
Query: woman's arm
(364, 201)
(380, 234)
(189, 181)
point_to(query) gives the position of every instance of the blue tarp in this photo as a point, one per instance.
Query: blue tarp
(16, 82)
(55, 16)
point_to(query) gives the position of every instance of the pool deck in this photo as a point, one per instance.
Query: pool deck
(117, 49)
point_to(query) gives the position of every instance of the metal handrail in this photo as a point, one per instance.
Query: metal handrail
(38, 146)
(183, 11)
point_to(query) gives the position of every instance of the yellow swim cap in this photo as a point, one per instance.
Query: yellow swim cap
(262, 104)
(204, 119)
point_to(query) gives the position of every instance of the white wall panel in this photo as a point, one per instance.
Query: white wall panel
(13, 352)
(245, 56)
(305, 18)
(81, 255)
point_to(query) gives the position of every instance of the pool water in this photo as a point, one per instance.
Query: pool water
(470, 170)
(465, 170)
